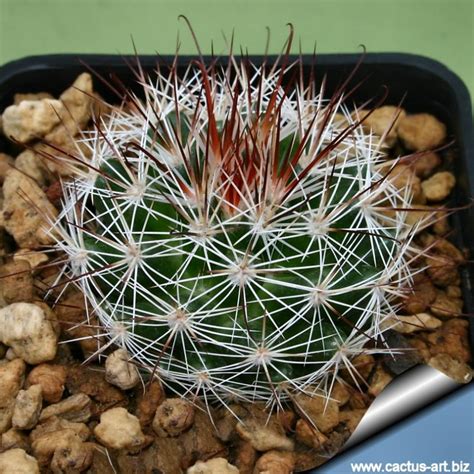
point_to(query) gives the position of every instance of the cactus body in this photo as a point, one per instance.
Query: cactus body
(239, 237)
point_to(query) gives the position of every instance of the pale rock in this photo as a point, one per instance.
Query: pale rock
(16, 282)
(439, 186)
(78, 99)
(30, 163)
(31, 119)
(28, 329)
(6, 414)
(11, 380)
(55, 423)
(263, 437)
(75, 408)
(27, 212)
(308, 435)
(119, 371)
(275, 462)
(384, 121)
(60, 448)
(213, 466)
(421, 131)
(16, 461)
(33, 257)
(118, 429)
(413, 323)
(27, 408)
(6, 163)
(380, 379)
(13, 438)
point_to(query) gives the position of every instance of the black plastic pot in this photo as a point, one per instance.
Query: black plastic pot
(429, 87)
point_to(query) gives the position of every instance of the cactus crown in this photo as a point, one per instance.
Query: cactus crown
(235, 232)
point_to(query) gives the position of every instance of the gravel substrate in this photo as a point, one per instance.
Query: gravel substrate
(64, 410)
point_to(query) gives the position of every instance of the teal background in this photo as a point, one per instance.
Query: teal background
(441, 29)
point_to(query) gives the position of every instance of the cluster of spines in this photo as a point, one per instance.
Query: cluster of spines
(207, 145)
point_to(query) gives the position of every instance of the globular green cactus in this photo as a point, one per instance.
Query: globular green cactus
(236, 232)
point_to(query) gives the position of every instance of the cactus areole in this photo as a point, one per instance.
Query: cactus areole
(236, 231)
